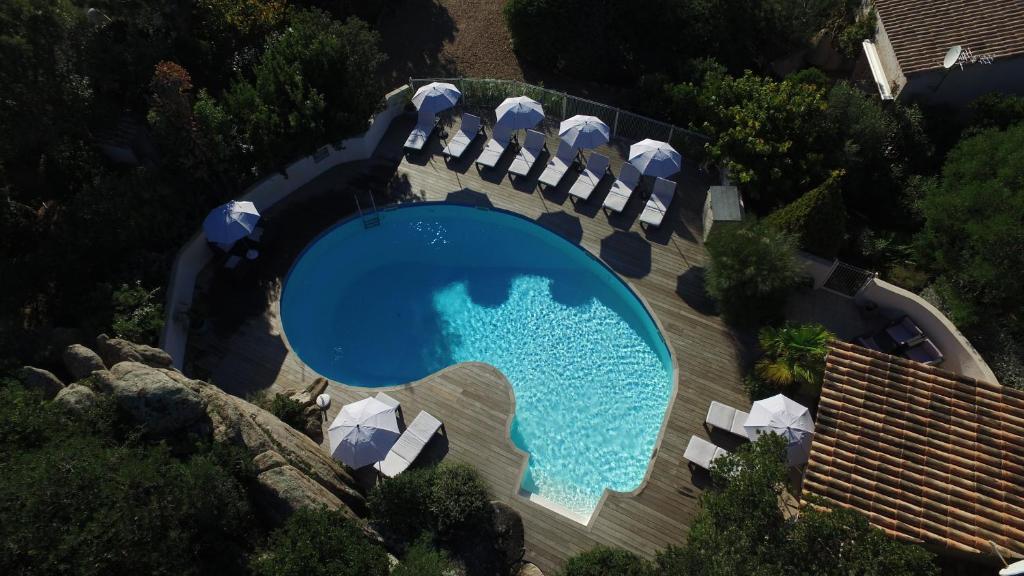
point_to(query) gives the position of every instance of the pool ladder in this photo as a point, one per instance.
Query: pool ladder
(373, 217)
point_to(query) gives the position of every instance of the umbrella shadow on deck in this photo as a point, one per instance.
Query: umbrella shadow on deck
(563, 224)
(467, 197)
(628, 253)
(690, 287)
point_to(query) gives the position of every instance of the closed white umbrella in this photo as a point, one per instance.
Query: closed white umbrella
(363, 432)
(519, 112)
(228, 223)
(584, 131)
(655, 158)
(788, 419)
(435, 97)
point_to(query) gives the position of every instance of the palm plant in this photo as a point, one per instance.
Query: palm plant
(793, 355)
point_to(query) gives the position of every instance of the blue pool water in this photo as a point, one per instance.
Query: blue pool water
(438, 284)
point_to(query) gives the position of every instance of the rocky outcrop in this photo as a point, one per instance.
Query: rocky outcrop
(528, 569)
(155, 399)
(76, 399)
(81, 362)
(41, 380)
(116, 350)
(311, 415)
(282, 489)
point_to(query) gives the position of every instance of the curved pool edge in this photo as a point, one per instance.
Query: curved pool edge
(518, 493)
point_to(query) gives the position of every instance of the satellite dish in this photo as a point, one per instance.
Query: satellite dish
(952, 55)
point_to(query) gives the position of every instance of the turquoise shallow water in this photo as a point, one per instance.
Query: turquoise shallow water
(436, 285)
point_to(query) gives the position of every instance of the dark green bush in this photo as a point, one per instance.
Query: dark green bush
(460, 501)
(817, 219)
(422, 559)
(320, 542)
(605, 561)
(138, 314)
(400, 506)
(851, 38)
(752, 270)
(288, 411)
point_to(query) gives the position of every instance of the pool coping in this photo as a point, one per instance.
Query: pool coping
(519, 494)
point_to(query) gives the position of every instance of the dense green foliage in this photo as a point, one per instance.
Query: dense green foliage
(816, 219)
(741, 529)
(602, 560)
(973, 238)
(996, 110)
(459, 500)
(120, 508)
(320, 542)
(793, 355)
(616, 42)
(422, 559)
(752, 270)
(400, 508)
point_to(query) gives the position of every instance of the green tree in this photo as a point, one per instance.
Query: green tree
(400, 507)
(422, 559)
(817, 219)
(793, 355)
(460, 501)
(138, 315)
(751, 272)
(995, 110)
(603, 561)
(973, 239)
(320, 542)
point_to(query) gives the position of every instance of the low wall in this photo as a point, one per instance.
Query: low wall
(195, 254)
(893, 302)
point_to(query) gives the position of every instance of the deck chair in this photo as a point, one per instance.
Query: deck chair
(468, 131)
(661, 197)
(425, 125)
(622, 188)
(495, 148)
(527, 155)
(702, 453)
(904, 332)
(409, 446)
(388, 400)
(583, 187)
(726, 418)
(558, 165)
(925, 352)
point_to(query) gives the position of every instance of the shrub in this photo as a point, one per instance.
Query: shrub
(995, 110)
(817, 219)
(320, 542)
(793, 355)
(752, 270)
(400, 507)
(852, 37)
(138, 314)
(288, 411)
(604, 561)
(459, 500)
(422, 559)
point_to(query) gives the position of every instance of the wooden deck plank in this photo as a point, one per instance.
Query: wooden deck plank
(663, 266)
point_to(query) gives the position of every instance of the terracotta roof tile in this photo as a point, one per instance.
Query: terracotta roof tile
(921, 31)
(927, 455)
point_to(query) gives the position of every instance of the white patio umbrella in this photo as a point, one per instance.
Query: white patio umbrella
(435, 97)
(230, 222)
(519, 112)
(788, 419)
(584, 131)
(363, 432)
(655, 158)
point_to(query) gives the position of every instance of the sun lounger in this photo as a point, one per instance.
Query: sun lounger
(495, 148)
(421, 132)
(726, 418)
(468, 131)
(526, 157)
(583, 187)
(904, 331)
(409, 446)
(702, 453)
(622, 188)
(925, 352)
(388, 400)
(558, 165)
(661, 197)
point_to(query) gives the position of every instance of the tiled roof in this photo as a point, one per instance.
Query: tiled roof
(927, 455)
(921, 31)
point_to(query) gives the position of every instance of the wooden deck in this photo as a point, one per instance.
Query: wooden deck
(475, 401)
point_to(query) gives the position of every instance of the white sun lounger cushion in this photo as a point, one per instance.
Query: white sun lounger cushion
(527, 155)
(421, 132)
(409, 445)
(558, 165)
(597, 167)
(727, 418)
(468, 131)
(495, 147)
(702, 453)
(661, 197)
(622, 188)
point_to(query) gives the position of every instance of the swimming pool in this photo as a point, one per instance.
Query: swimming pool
(438, 284)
